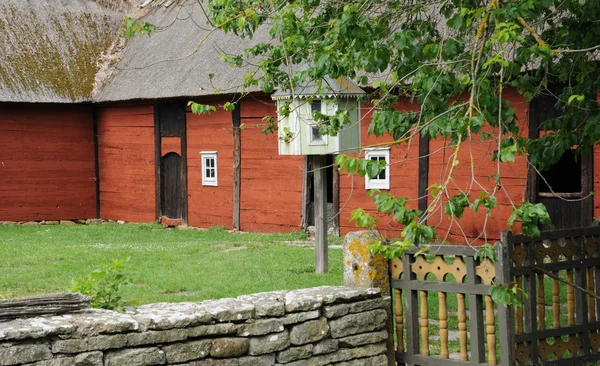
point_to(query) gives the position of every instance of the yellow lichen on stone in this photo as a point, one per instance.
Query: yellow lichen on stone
(362, 268)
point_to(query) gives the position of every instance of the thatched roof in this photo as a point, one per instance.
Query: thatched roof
(180, 59)
(50, 49)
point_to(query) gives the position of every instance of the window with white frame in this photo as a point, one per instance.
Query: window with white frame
(382, 180)
(209, 168)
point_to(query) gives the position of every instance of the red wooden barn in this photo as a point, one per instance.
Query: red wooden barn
(92, 125)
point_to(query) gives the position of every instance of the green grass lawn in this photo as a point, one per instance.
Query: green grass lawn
(166, 264)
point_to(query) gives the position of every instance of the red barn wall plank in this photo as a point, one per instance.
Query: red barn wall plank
(210, 205)
(126, 160)
(514, 181)
(271, 198)
(46, 162)
(404, 179)
(404, 176)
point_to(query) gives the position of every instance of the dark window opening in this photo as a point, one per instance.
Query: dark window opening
(315, 106)
(315, 134)
(329, 173)
(563, 177)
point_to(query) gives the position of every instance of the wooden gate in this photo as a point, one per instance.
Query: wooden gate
(560, 272)
(445, 316)
(443, 312)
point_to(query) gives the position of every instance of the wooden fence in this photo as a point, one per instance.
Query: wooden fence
(445, 316)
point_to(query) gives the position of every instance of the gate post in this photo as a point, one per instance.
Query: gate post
(506, 319)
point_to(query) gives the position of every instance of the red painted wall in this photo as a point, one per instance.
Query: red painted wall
(209, 205)
(271, 197)
(126, 159)
(514, 180)
(404, 176)
(46, 162)
(404, 180)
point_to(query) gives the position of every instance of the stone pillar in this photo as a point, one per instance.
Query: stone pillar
(361, 269)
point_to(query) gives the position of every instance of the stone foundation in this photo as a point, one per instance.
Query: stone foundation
(317, 326)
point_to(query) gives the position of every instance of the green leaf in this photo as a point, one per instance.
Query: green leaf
(198, 108)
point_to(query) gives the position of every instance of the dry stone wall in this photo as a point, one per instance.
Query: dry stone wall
(317, 326)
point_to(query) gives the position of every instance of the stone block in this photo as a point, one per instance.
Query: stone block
(269, 343)
(260, 327)
(348, 354)
(39, 327)
(70, 345)
(78, 345)
(24, 353)
(229, 347)
(64, 361)
(267, 303)
(135, 357)
(91, 322)
(326, 346)
(156, 337)
(51, 222)
(379, 360)
(313, 298)
(358, 323)
(188, 351)
(212, 329)
(67, 222)
(226, 310)
(107, 342)
(89, 359)
(309, 332)
(361, 268)
(335, 311)
(300, 317)
(93, 221)
(163, 316)
(295, 353)
(264, 360)
(364, 338)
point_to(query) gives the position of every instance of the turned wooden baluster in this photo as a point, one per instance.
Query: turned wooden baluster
(443, 318)
(541, 303)
(570, 299)
(490, 330)
(556, 302)
(424, 321)
(591, 300)
(399, 320)
(519, 310)
(462, 326)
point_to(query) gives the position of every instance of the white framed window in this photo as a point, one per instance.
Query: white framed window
(382, 180)
(210, 173)
(315, 138)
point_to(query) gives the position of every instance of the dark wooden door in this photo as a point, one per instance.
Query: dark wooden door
(171, 186)
(171, 163)
(564, 188)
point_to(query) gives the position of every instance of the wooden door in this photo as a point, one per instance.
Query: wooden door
(171, 163)
(564, 188)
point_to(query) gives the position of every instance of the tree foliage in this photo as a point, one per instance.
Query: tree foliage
(454, 59)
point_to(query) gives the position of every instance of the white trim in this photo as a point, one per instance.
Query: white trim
(207, 180)
(377, 183)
